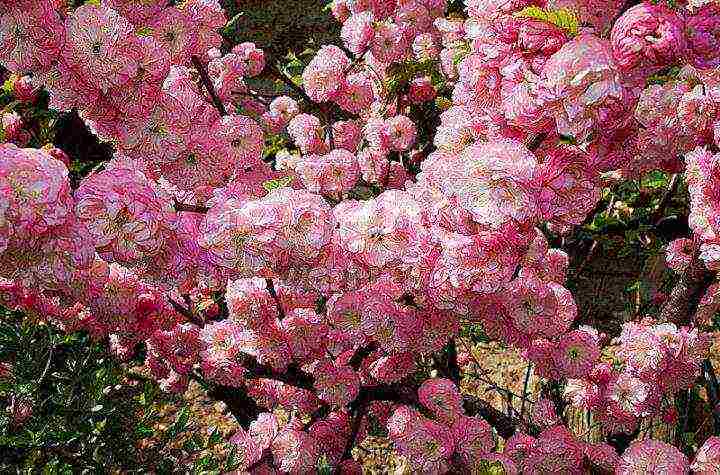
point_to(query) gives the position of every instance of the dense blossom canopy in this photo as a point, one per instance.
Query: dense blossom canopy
(322, 278)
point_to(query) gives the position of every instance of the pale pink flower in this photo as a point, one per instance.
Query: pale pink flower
(707, 458)
(324, 76)
(100, 44)
(578, 83)
(357, 32)
(294, 451)
(652, 456)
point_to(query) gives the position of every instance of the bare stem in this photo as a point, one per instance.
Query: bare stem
(208, 85)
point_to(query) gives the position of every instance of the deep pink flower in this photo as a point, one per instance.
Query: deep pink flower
(647, 37)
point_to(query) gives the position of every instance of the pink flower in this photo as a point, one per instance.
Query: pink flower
(356, 94)
(100, 44)
(306, 334)
(602, 455)
(24, 89)
(492, 181)
(325, 74)
(357, 32)
(20, 409)
(577, 353)
(541, 308)
(427, 445)
(569, 186)
(707, 459)
(253, 57)
(401, 132)
(381, 230)
(652, 456)
(442, 398)
(647, 37)
(424, 47)
(124, 213)
(389, 43)
(34, 194)
(244, 137)
(284, 107)
(578, 83)
(421, 90)
(250, 303)
(555, 451)
(336, 385)
(13, 128)
(679, 254)
(473, 439)
(333, 174)
(701, 31)
(390, 369)
(31, 36)
(307, 133)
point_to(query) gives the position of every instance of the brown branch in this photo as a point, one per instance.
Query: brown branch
(288, 82)
(273, 293)
(666, 199)
(185, 312)
(504, 425)
(184, 207)
(537, 141)
(713, 391)
(686, 294)
(360, 355)
(207, 82)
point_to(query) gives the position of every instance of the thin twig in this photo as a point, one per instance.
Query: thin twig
(666, 199)
(713, 390)
(273, 293)
(526, 385)
(185, 312)
(207, 82)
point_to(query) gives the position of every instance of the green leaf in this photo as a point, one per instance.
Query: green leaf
(144, 31)
(562, 17)
(8, 84)
(271, 185)
(490, 468)
(180, 424)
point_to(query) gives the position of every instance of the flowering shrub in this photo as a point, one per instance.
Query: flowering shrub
(320, 247)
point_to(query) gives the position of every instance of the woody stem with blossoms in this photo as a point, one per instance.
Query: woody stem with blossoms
(314, 263)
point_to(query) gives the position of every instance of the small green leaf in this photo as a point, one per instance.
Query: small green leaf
(144, 31)
(271, 185)
(562, 17)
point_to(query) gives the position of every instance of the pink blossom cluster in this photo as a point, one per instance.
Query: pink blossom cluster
(341, 271)
(428, 444)
(657, 360)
